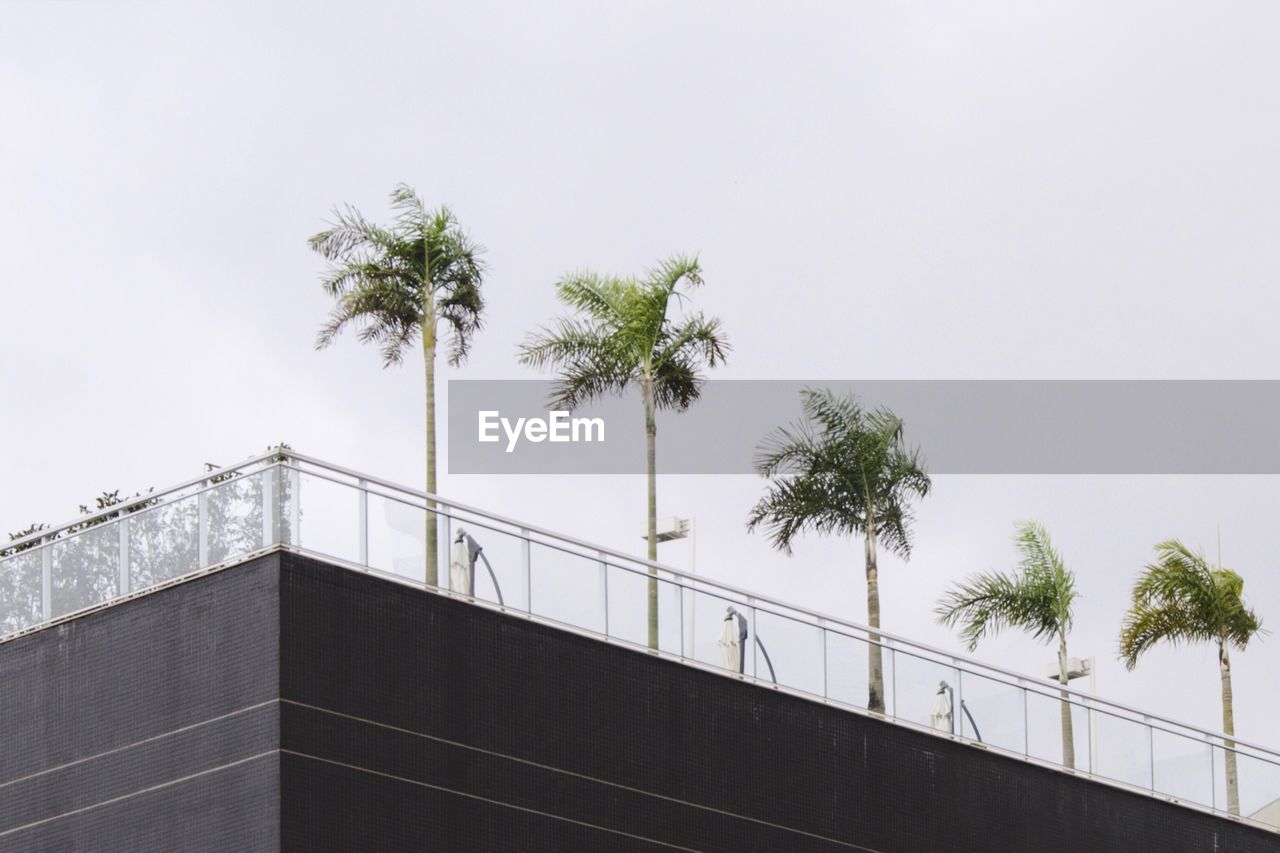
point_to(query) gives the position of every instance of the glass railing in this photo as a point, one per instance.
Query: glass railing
(286, 500)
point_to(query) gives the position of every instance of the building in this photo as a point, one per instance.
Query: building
(251, 662)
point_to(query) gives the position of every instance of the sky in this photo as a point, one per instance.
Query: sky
(875, 190)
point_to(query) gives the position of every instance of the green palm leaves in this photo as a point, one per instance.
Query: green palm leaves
(845, 470)
(623, 335)
(1181, 598)
(1037, 597)
(388, 281)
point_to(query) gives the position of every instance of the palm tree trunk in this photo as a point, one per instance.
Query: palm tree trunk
(1228, 726)
(429, 357)
(1068, 734)
(875, 663)
(651, 441)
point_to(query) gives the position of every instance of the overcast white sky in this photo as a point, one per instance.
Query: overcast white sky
(877, 190)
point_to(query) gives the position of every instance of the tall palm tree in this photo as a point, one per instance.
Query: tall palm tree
(1182, 598)
(399, 284)
(845, 470)
(624, 335)
(1037, 597)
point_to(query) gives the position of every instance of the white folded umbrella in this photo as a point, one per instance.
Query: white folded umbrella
(940, 717)
(461, 566)
(733, 633)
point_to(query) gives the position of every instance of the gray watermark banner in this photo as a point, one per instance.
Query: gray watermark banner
(960, 426)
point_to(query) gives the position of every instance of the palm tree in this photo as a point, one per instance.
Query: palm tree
(843, 470)
(398, 284)
(1037, 597)
(624, 336)
(1181, 598)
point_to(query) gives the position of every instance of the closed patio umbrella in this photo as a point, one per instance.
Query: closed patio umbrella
(733, 637)
(462, 565)
(941, 716)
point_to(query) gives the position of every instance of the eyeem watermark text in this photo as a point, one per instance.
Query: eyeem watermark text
(556, 427)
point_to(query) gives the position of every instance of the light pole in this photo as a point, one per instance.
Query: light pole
(669, 529)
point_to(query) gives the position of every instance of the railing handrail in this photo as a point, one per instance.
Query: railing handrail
(281, 456)
(1024, 680)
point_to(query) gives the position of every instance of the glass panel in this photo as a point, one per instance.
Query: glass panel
(1182, 767)
(329, 518)
(1259, 789)
(568, 587)
(163, 543)
(847, 666)
(670, 621)
(788, 652)
(86, 569)
(925, 691)
(718, 631)
(21, 585)
(234, 512)
(498, 564)
(628, 607)
(1045, 729)
(397, 537)
(991, 712)
(1123, 749)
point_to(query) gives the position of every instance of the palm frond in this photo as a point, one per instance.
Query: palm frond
(600, 298)
(695, 338)
(386, 281)
(669, 273)
(351, 233)
(793, 506)
(853, 463)
(621, 335)
(1037, 596)
(1181, 597)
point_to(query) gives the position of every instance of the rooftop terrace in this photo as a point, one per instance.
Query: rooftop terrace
(287, 501)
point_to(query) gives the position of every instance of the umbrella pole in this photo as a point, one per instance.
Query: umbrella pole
(493, 576)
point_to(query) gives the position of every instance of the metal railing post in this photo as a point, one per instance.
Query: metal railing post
(604, 588)
(364, 522)
(123, 525)
(526, 562)
(1213, 775)
(1093, 738)
(46, 580)
(893, 678)
(269, 506)
(755, 646)
(1151, 750)
(202, 525)
(444, 572)
(824, 633)
(686, 645)
(295, 510)
(1026, 723)
(1091, 720)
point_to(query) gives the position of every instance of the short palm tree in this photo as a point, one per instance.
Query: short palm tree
(399, 284)
(1036, 597)
(1182, 598)
(844, 470)
(624, 335)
